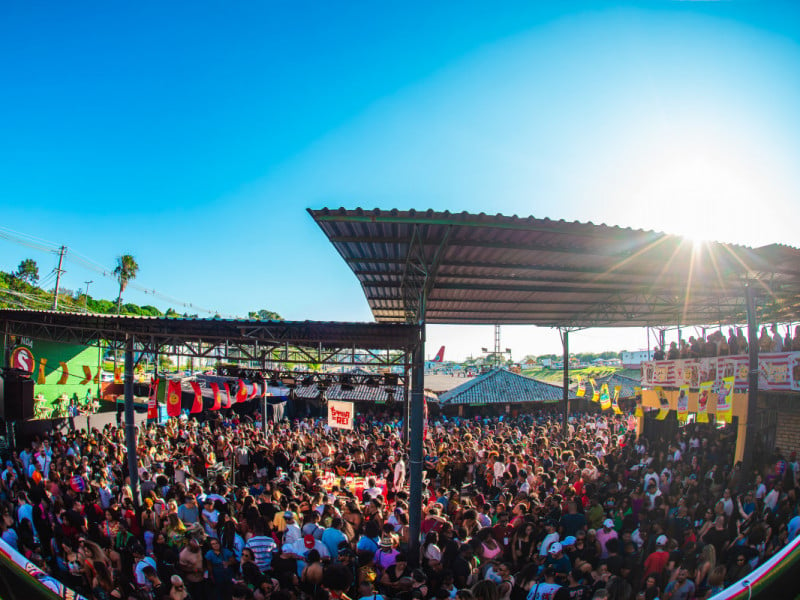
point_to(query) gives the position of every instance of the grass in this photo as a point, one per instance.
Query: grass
(557, 375)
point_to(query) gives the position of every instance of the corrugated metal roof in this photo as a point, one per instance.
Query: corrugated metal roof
(488, 269)
(499, 386)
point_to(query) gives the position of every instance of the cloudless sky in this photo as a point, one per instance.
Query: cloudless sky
(194, 134)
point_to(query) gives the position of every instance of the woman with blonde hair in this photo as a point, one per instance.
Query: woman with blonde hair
(706, 564)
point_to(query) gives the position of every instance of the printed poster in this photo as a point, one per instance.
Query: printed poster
(702, 401)
(663, 410)
(725, 400)
(683, 403)
(340, 414)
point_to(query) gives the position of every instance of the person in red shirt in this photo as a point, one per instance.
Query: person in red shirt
(657, 561)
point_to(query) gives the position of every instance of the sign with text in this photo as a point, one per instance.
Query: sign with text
(340, 414)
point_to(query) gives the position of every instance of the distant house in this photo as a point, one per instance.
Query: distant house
(500, 387)
(633, 360)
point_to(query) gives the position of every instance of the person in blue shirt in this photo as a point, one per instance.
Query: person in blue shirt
(220, 562)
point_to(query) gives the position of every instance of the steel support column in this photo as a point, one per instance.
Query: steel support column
(415, 462)
(752, 382)
(130, 424)
(565, 346)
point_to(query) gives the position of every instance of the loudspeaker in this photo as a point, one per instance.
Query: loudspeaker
(16, 398)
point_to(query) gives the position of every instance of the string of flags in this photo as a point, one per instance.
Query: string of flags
(169, 392)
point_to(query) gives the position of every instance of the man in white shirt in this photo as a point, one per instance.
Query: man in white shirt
(551, 538)
(210, 518)
(399, 473)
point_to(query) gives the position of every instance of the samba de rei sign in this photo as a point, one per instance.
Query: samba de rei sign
(340, 414)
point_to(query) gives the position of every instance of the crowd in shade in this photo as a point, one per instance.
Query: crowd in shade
(514, 509)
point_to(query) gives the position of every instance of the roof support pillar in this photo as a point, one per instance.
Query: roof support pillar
(752, 381)
(565, 346)
(416, 430)
(130, 424)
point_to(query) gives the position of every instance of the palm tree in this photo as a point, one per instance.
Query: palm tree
(125, 271)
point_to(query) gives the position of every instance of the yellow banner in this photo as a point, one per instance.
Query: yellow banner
(615, 400)
(605, 397)
(663, 411)
(637, 392)
(595, 390)
(581, 387)
(702, 401)
(725, 400)
(683, 403)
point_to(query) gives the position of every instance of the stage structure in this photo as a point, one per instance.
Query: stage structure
(460, 268)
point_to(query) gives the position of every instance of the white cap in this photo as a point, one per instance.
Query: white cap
(661, 540)
(608, 523)
(555, 548)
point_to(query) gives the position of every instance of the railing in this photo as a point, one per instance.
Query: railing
(777, 371)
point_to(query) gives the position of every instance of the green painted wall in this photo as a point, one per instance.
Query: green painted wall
(75, 357)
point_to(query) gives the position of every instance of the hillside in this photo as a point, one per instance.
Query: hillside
(556, 376)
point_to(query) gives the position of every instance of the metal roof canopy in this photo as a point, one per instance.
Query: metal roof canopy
(495, 269)
(297, 341)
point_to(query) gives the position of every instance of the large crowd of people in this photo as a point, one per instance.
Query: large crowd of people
(717, 344)
(514, 509)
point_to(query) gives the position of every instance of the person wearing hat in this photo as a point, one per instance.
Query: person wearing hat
(551, 538)
(603, 535)
(387, 554)
(292, 532)
(657, 561)
(559, 561)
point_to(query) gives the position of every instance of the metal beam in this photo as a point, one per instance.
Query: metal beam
(130, 424)
(752, 384)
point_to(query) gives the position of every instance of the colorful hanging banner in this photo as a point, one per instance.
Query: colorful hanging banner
(725, 400)
(605, 397)
(663, 402)
(683, 403)
(615, 400)
(197, 405)
(581, 387)
(702, 401)
(241, 392)
(228, 400)
(152, 401)
(637, 392)
(595, 390)
(217, 400)
(174, 398)
(118, 375)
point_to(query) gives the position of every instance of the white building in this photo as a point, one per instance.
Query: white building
(633, 360)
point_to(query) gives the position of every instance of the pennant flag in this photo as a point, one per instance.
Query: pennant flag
(615, 400)
(702, 401)
(256, 393)
(605, 397)
(581, 387)
(228, 401)
(217, 402)
(595, 390)
(241, 392)
(637, 392)
(663, 411)
(118, 375)
(152, 402)
(683, 403)
(87, 375)
(725, 400)
(174, 398)
(64, 373)
(197, 405)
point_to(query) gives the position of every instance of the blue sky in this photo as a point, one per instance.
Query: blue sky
(194, 135)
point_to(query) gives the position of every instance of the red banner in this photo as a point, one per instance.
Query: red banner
(217, 403)
(241, 392)
(152, 402)
(228, 401)
(174, 398)
(197, 405)
(255, 393)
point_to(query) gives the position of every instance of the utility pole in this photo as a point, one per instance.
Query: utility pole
(61, 252)
(86, 294)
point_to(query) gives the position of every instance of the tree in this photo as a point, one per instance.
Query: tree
(264, 315)
(125, 271)
(28, 271)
